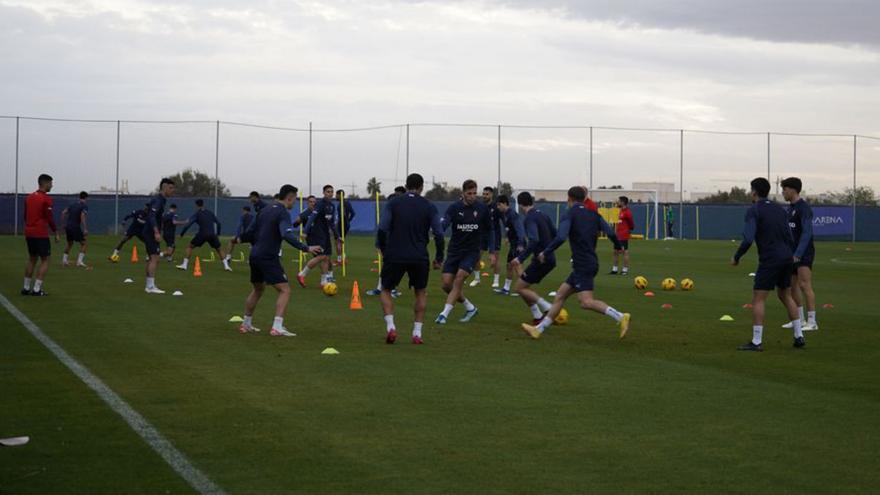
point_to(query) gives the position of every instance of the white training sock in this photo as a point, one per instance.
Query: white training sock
(507, 284)
(545, 323)
(801, 313)
(27, 283)
(80, 257)
(38, 285)
(151, 282)
(64, 258)
(536, 311)
(757, 333)
(543, 305)
(185, 263)
(625, 270)
(447, 308)
(329, 274)
(389, 322)
(417, 329)
(228, 257)
(115, 252)
(278, 322)
(379, 285)
(305, 271)
(811, 317)
(798, 332)
(495, 279)
(248, 320)
(617, 315)
(614, 269)
(469, 305)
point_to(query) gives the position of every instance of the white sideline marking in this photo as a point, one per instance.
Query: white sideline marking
(175, 458)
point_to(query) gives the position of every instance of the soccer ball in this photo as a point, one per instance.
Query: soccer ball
(562, 317)
(641, 282)
(687, 284)
(668, 284)
(114, 258)
(330, 289)
(482, 265)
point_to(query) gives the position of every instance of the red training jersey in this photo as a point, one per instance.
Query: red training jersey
(625, 224)
(38, 217)
(590, 205)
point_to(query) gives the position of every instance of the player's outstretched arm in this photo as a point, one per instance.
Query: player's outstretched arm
(751, 228)
(609, 231)
(188, 224)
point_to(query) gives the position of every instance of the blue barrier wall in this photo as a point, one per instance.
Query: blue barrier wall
(710, 221)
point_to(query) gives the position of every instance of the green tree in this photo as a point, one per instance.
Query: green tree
(736, 195)
(865, 196)
(191, 183)
(374, 187)
(505, 189)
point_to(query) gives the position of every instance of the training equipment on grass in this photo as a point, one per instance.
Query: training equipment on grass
(687, 284)
(747, 306)
(128, 281)
(668, 284)
(752, 274)
(197, 269)
(649, 294)
(482, 265)
(355, 297)
(330, 289)
(552, 293)
(640, 282)
(726, 318)
(14, 441)
(828, 306)
(666, 306)
(330, 350)
(134, 254)
(114, 258)
(561, 318)
(177, 293)
(236, 319)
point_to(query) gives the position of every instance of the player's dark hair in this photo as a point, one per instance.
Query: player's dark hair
(173, 205)
(83, 195)
(165, 180)
(577, 193)
(328, 186)
(311, 196)
(247, 208)
(413, 182)
(761, 186)
(792, 183)
(340, 192)
(287, 190)
(503, 199)
(44, 178)
(624, 200)
(468, 185)
(254, 194)
(200, 202)
(489, 188)
(525, 199)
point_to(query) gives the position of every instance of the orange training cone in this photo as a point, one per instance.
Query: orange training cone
(355, 297)
(197, 270)
(134, 254)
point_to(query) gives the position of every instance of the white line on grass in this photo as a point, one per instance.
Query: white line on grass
(175, 458)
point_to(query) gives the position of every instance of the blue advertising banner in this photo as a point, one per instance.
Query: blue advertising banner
(832, 220)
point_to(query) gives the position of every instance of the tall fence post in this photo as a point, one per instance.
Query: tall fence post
(498, 184)
(310, 158)
(681, 182)
(855, 146)
(17, 141)
(407, 150)
(116, 205)
(216, 166)
(591, 158)
(768, 156)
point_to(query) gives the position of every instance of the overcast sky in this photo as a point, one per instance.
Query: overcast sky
(747, 65)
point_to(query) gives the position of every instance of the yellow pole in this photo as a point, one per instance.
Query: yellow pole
(342, 229)
(378, 254)
(698, 223)
(301, 254)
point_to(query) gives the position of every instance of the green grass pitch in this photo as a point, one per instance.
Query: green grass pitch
(480, 408)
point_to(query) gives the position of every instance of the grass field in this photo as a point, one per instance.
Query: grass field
(479, 409)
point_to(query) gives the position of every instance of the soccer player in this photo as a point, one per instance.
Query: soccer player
(767, 226)
(243, 222)
(516, 238)
(581, 227)
(497, 226)
(346, 210)
(39, 219)
(800, 220)
(206, 220)
(540, 232)
(135, 228)
(169, 231)
(151, 234)
(402, 238)
(265, 233)
(321, 223)
(398, 191)
(624, 227)
(256, 203)
(303, 217)
(670, 222)
(470, 221)
(76, 227)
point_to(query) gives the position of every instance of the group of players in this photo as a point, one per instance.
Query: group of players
(784, 240)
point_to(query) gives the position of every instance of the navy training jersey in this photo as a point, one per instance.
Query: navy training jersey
(581, 227)
(269, 228)
(154, 218)
(348, 211)
(540, 232)
(469, 224)
(322, 221)
(244, 222)
(800, 220)
(169, 228)
(259, 205)
(206, 220)
(513, 222)
(403, 231)
(74, 214)
(767, 226)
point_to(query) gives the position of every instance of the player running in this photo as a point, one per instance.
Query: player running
(151, 234)
(495, 219)
(244, 222)
(516, 238)
(402, 238)
(256, 202)
(625, 225)
(169, 232)
(581, 227)
(346, 210)
(206, 220)
(135, 229)
(398, 191)
(470, 221)
(38, 219)
(540, 232)
(767, 226)
(800, 219)
(76, 227)
(318, 230)
(265, 233)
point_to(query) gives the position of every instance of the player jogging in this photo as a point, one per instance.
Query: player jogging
(581, 227)
(244, 221)
(766, 225)
(269, 228)
(800, 219)
(76, 227)
(135, 229)
(398, 191)
(206, 220)
(540, 232)
(345, 209)
(624, 227)
(38, 218)
(403, 240)
(169, 232)
(516, 239)
(470, 221)
(151, 234)
(318, 230)
(256, 203)
(495, 219)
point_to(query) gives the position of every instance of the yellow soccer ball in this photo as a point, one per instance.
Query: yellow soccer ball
(641, 282)
(668, 284)
(330, 289)
(561, 318)
(482, 265)
(114, 258)
(687, 284)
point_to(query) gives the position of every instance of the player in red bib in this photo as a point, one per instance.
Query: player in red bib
(38, 219)
(625, 226)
